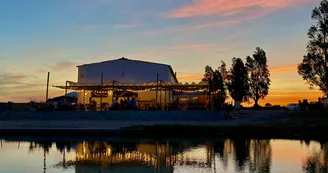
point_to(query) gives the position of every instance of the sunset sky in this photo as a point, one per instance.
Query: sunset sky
(37, 36)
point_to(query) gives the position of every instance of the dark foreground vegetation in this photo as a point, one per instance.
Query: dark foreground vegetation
(299, 125)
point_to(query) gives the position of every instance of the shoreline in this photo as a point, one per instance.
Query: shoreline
(306, 125)
(178, 132)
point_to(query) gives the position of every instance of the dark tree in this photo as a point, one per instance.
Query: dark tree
(220, 86)
(268, 105)
(216, 83)
(259, 75)
(242, 153)
(238, 81)
(314, 68)
(224, 72)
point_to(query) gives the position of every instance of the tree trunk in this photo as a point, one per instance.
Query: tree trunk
(237, 104)
(256, 103)
(326, 61)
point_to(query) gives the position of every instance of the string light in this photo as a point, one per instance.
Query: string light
(189, 91)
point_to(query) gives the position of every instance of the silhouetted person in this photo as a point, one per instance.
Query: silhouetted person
(115, 103)
(300, 105)
(177, 101)
(134, 103)
(128, 103)
(305, 105)
(122, 102)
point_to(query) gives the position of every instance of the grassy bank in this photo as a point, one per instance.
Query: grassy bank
(302, 125)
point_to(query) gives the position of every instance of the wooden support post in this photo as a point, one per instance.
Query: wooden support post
(157, 75)
(169, 99)
(47, 91)
(165, 99)
(83, 101)
(160, 98)
(101, 89)
(113, 91)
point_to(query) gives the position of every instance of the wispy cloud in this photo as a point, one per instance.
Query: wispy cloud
(228, 7)
(193, 27)
(190, 78)
(193, 46)
(62, 66)
(15, 86)
(90, 27)
(9, 78)
(284, 69)
(221, 22)
(126, 25)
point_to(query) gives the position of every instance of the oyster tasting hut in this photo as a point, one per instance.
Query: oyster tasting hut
(152, 85)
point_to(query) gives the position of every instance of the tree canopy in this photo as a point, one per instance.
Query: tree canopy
(238, 80)
(259, 75)
(314, 67)
(216, 82)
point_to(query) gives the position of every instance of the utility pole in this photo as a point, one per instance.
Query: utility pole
(47, 91)
(213, 94)
(165, 106)
(66, 90)
(209, 92)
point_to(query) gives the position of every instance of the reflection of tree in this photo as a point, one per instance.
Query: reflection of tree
(318, 162)
(241, 148)
(98, 148)
(227, 151)
(46, 146)
(62, 147)
(260, 156)
(306, 142)
(219, 147)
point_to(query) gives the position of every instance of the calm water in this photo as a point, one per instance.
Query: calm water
(226, 155)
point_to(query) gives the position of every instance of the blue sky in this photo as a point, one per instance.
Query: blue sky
(38, 36)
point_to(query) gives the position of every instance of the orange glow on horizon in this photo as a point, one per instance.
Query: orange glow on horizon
(286, 87)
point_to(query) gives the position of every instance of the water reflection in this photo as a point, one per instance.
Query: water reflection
(226, 155)
(318, 161)
(260, 156)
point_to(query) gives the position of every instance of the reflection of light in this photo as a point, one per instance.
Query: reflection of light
(117, 158)
(197, 157)
(109, 151)
(199, 154)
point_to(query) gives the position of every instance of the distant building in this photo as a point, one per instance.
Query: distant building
(125, 71)
(103, 82)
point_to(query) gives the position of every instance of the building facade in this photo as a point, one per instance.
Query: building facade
(128, 72)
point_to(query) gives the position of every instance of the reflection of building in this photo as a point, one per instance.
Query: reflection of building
(252, 155)
(141, 157)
